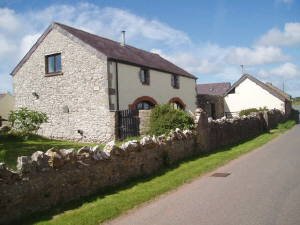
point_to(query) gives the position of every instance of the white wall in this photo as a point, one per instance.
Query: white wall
(130, 87)
(250, 95)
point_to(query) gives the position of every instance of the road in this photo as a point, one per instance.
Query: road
(263, 188)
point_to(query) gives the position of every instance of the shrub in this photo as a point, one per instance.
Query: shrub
(294, 115)
(247, 112)
(24, 121)
(165, 118)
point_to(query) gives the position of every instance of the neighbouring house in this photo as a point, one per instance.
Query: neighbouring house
(210, 98)
(249, 92)
(80, 80)
(7, 103)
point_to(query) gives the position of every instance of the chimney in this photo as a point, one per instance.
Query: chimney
(123, 38)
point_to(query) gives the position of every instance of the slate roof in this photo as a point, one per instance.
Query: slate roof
(213, 88)
(267, 86)
(114, 50)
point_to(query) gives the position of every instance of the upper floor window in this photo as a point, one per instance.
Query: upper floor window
(53, 63)
(175, 81)
(145, 76)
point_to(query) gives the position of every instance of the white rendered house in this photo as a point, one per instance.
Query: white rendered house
(249, 92)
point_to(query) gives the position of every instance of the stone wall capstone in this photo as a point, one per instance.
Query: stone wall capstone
(46, 179)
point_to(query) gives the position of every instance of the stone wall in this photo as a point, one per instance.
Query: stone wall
(144, 116)
(205, 102)
(74, 100)
(44, 180)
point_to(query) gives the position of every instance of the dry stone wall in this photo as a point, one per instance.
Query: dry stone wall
(57, 176)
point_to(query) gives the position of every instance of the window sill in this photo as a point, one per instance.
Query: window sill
(53, 74)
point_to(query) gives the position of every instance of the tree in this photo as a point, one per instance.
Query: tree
(25, 121)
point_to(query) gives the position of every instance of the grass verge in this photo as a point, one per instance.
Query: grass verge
(12, 146)
(101, 207)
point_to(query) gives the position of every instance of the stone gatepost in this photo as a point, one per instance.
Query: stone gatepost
(202, 130)
(144, 116)
(263, 118)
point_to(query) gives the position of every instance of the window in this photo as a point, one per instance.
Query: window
(177, 105)
(145, 76)
(232, 91)
(53, 64)
(175, 81)
(144, 105)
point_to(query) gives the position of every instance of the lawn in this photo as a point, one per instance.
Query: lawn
(296, 101)
(101, 207)
(11, 147)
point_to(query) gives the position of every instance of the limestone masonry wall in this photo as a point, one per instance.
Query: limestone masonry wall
(44, 180)
(76, 101)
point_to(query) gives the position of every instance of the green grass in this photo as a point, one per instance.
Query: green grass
(101, 207)
(120, 142)
(11, 147)
(296, 101)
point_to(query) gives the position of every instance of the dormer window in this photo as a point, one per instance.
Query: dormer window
(53, 64)
(175, 81)
(144, 76)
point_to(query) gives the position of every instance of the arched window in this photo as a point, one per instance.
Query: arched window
(144, 105)
(177, 103)
(144, 102)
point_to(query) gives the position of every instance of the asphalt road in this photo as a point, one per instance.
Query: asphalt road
(262, 189)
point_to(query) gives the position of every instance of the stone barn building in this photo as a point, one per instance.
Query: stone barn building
(210, 98)
(80, 80)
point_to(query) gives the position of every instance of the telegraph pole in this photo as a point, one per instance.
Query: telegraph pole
(242, 66)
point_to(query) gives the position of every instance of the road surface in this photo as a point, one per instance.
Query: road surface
(263, 188)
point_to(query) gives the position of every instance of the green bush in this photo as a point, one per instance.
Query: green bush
(247, 112)
(165, 118)
(24, 121)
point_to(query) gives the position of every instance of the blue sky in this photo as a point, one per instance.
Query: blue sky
(208, 38)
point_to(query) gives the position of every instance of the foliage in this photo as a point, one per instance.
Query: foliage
(25, 121)
(4, 130)
(294, 115)
(165, 118)
(246, 112)
(296, 101)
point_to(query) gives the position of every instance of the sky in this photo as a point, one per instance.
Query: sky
(209, 39)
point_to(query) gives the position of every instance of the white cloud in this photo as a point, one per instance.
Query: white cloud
(110, 22)
(26, 42)
(209, 58)
(255, 56)
(288, 37)
(9, 20)
(286, 71)
(19, 31)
